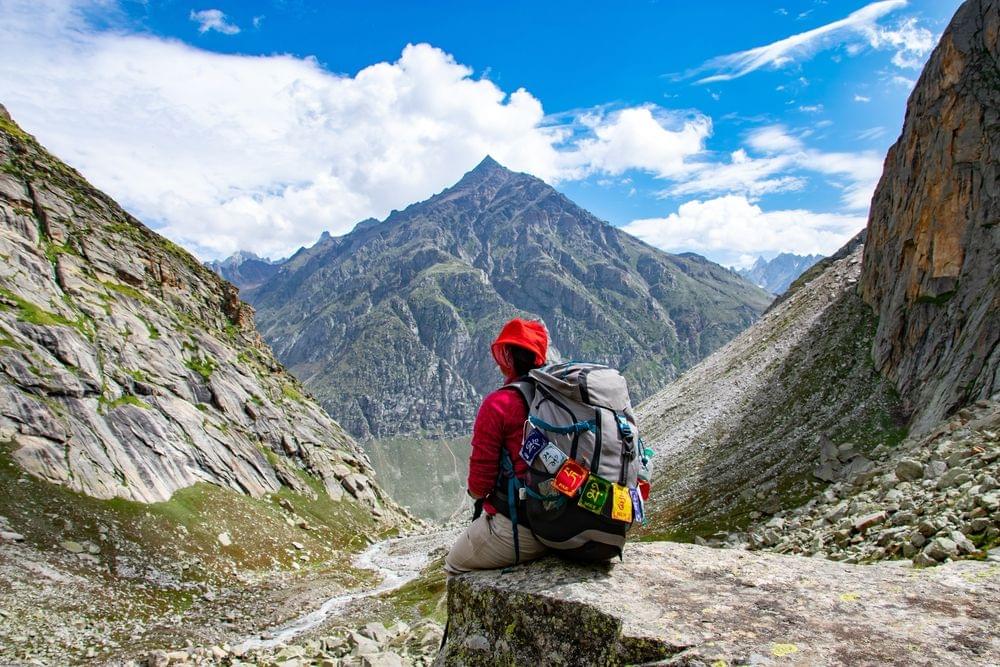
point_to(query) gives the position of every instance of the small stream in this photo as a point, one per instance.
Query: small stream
(399, 560)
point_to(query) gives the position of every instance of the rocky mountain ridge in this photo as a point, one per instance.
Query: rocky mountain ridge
(390, 325)
(741, 433)
(778, 273)
(245, 269)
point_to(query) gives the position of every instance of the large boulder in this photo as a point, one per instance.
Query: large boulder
(692, 605)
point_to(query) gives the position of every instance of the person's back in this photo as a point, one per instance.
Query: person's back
(491, 541)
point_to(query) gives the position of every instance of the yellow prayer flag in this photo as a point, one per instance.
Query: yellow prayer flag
(621, 504)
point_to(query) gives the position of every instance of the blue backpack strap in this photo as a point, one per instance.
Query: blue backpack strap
(513, 486)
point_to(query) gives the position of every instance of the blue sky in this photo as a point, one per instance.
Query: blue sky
(731, 129)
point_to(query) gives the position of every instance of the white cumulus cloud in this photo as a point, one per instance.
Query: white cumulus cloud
(225, 152)
(733, 230)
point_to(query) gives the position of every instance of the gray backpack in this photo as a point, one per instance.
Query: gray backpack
(585, 459)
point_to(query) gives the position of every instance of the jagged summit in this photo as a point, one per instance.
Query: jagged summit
(487, 174)
(488, 164)
(245, 269)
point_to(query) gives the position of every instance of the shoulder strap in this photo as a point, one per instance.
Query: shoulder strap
(525, 386)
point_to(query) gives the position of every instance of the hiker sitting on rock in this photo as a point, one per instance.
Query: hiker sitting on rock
(488, 542)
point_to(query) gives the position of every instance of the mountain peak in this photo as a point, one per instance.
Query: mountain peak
(488, 164)
(487, 169)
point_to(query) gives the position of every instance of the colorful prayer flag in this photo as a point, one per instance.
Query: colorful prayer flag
(595, 494)
(638, 509)
(552, 458)
(621, 504)
(533, 444)
(570, 477)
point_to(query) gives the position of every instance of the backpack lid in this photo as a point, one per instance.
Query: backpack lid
(593, 384)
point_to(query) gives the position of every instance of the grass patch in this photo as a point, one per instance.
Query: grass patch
(154, 333)
(289, 391)
(127, 290)
(938, 300)
(128, 399)
(424, 597)
(34, 314)
(11, 343)
(53, 250)
(203, 366)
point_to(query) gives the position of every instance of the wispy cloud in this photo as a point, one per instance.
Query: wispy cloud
(214, 19)
(783, 164)
(862, 98)
(860, 28)
(871, 133)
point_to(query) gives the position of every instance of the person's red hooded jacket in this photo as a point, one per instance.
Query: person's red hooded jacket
(501, 417)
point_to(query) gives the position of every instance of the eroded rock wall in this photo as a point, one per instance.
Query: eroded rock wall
(129, 370)
(932, 260)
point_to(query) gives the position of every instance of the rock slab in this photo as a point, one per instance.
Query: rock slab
(691, 605)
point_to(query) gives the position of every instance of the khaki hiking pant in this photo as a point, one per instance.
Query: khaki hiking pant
(488, 543)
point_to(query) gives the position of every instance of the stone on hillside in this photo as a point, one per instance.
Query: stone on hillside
(863, 523)
(72, 547)
(224, 539)
(954, 477)
(927, 527)
(388, 659)
(157, 659)
(376, 632)
(846, 452)
(683, 603)
(825, 472)
(979, 524)
(11, 536)
(941, 548)
(827, 450)
(990, 501)
(909, 470)
(361, 645)
(935, 469)
(963, 543)
(859, 470)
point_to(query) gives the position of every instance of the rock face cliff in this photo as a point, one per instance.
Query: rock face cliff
(931, 269)
(389, 326)
(129, 370)
(680, 604)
